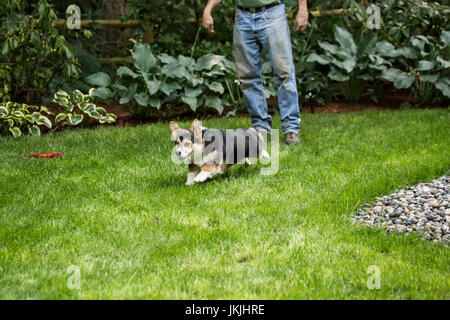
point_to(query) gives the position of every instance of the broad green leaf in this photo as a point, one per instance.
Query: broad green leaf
(44, 121)
(141, 98)
(345, 39)
(60, 117)
(215, 103)
(269, 92)
(425, 65)
(187, 62)
(143, 57)
(75, 119)
(443, 87)
(401, 80)
(348, 64)
(102, 93)
(386, 49)
(168, 88)
(94, 114)
(445, 80)
(445, 38)
(266, 68)
(208, 61)
(216, 87)
(88, 107)
(328, 47)
(175, 70)
(195, 80)
(367, 45)
(29, 118)
(100, 79)
(3, 112)
(17, 113)
(100, 110)
(78, 96)
(444, 64)
(192, 102)
(129, 94)
(192, 92)
(321, 59)
(155, 102)
(165, 58)
(407, 52)
(125, 71)
(429, 78)
(15, 132)
(34, 131)
(336, 75)
(152, 86)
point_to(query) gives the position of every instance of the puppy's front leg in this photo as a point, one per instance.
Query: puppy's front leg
(192, 173)
(208, 172)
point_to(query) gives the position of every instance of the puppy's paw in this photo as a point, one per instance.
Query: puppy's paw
(202, 177)
(190, 183)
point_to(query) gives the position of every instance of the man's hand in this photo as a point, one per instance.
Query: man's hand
(208, 22)
(301, 20)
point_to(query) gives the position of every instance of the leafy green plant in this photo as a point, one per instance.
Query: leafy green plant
(17, 117)
(355, 66)
(424, 65)
(77, 106)
(33, 50)
(165, 80)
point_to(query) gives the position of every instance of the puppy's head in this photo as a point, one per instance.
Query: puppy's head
(186, 140)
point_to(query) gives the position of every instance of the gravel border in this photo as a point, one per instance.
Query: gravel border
(424, 208)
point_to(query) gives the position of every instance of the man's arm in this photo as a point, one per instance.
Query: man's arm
(302, 16)
(207, 20)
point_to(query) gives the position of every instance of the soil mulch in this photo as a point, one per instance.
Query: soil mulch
(126, 118)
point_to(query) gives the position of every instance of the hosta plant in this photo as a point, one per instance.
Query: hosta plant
(153, 81)
(424, 66)
(16, 118)
(79, 105)
(355, 66)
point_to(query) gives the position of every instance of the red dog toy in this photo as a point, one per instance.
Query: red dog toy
(44, 155)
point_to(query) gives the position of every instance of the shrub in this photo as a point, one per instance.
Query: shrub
(33, 50)
(355, 67)
(165, 80)
(77, 106)
(423, 65)
(17, 117)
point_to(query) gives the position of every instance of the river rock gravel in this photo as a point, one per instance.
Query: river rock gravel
(424, 209)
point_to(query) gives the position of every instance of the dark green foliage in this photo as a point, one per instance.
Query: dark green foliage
(153, 81)
(33, 50)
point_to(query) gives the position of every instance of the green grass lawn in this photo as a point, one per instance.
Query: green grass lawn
(116, 207)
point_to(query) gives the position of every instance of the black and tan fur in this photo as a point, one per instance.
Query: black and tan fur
(205, 162)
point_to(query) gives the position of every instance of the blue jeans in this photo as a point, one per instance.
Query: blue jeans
(268, 30)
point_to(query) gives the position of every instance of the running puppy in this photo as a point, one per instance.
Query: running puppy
(210, 152)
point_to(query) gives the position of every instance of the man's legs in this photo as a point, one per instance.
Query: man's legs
(275, 38)
(247, 56)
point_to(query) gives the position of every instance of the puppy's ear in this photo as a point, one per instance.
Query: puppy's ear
(174, 126)
(196, 130)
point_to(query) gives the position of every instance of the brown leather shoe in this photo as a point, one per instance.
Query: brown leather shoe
(292, 138)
